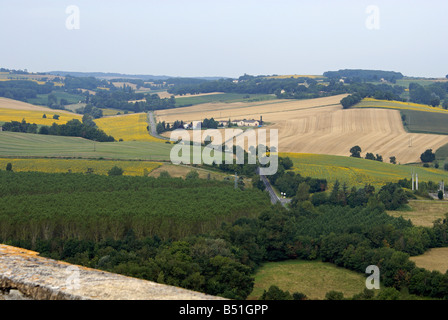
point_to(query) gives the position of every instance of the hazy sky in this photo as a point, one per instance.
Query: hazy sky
(225, 37)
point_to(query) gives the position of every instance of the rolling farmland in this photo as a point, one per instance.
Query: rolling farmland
(321, 126)
(131, 168)
(13, 110)
(130, 127)
(357, 172)
(418, 118)
(15, 144)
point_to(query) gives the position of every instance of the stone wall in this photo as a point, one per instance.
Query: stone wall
(26, 275)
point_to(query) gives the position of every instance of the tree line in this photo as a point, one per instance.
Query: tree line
(73, 128)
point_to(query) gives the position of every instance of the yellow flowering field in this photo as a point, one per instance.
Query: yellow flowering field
(131, 168)
(355, 171)
(398, 105)
(32, 116)
(129, 127)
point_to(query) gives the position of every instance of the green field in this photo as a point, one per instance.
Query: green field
(14, 144)
(222, 97)
(425, 122)
(313, 278)
(442, 153)
(42, 99)
(358, 172)
(406, 81)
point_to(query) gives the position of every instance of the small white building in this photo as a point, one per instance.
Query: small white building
(246, 123)
(251, 123)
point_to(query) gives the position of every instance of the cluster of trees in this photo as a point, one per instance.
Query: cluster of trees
(428, 156)
(350, 100)
(209, 123)
(90, 110)
(371, 156)
(118, 98)
(24, 89)
(88, 83)
(205, 124)
(358, 75)
(433, 94)
(23, 126)
(291, 87)
(73, 128)
(355, 152)
(163, 126)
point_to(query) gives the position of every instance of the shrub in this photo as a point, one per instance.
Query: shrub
(334, 295)
(115, 171)
(428, 156)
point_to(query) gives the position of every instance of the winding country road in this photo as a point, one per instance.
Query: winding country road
(272, 194)
(153, 126)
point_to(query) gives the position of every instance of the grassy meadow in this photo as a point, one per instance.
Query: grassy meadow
(423, 212)
(15, 144)
(313, 278)
(434, 260)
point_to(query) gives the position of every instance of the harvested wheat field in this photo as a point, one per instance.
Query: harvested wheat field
(6, 103)
(271, 110)
(321, 126)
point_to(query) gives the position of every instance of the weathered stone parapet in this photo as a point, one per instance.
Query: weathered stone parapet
(26, 275)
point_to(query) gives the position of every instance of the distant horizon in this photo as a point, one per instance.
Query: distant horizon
(200, 38)
(216, 76)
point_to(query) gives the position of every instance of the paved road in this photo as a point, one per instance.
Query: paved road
(272, 194)
(153, 126)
